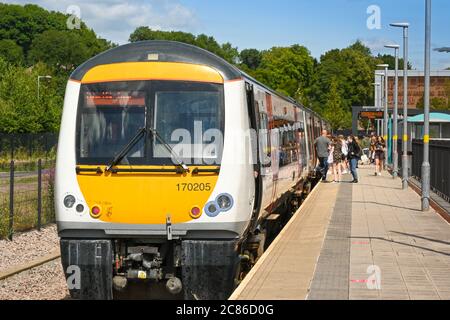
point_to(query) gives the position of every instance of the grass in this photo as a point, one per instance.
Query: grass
(26, 203)
(26, 162)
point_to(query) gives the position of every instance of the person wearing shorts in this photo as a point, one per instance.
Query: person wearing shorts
(380, 147)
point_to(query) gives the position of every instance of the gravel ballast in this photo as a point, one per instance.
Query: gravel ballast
(45, 282)
(27, 247)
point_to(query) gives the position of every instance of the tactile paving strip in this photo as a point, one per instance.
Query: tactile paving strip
(331, 279)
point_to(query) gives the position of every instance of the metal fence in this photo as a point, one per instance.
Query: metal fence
(27, 145)
(439, 161)
(26, 198)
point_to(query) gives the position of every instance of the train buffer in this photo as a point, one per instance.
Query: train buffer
(356, 242)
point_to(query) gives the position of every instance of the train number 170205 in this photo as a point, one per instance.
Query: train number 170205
(193, 187)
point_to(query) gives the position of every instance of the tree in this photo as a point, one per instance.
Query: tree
(390, 60)
(286, 69)
(334, 110)
(230, 53)
(145, 33)
(60, 49)
(353, 70)
(20, 109)
(65, 50)
(11, 52)
(23, 24)
(225, 51)
(358, 46)
(251, 58)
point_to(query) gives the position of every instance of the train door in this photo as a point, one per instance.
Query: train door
(312, 138)
(255, 127)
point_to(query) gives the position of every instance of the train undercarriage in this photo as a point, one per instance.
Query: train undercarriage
(171, 269)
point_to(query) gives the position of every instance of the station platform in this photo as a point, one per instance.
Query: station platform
(366, 241)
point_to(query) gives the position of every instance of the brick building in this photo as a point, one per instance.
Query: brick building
(440, 86)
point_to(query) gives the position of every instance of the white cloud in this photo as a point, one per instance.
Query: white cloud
(376, 44)
(115, 20)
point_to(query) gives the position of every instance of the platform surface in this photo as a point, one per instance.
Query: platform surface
(356, 242)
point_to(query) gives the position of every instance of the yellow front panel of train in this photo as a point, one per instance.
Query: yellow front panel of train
(137, 198)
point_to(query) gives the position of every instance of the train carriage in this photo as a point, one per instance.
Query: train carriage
(172, 167)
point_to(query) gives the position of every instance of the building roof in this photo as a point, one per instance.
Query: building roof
(420, 73)
(434, 117)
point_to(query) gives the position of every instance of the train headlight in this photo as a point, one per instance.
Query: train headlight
(225, 202)
(212, 210)
(69, 201)
(80, 208)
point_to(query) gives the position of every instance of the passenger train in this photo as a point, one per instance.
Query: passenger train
(174, 168)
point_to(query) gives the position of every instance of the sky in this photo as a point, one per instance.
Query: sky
(319, 25)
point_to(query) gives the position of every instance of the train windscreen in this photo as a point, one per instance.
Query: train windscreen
(182, 118)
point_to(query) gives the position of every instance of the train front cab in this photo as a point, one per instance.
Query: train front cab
(146, 218)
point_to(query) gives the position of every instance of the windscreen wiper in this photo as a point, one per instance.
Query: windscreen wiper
(119, 157)
(170, 149)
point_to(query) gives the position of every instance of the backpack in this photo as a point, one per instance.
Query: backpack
(358, 150)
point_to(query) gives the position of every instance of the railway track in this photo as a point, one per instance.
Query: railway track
(29, 265)
(44, 281)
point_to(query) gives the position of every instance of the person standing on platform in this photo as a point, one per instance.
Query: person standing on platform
(337, 159)
(322, 144)
(373, 142)
(354, 154)
(344, 149)
(380, 147)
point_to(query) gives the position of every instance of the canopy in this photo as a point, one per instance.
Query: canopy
(434, 117)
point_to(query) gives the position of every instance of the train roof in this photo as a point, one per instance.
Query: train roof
(171, 51)
(168, 51)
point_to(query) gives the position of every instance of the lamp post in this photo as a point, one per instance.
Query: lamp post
(386, 102)
(405, 164)
(426, 137)
(381, 99)
(377, 103)
(39, 83)
(396, 47)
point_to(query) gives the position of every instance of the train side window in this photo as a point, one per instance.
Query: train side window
(264, 141)
(288, 143)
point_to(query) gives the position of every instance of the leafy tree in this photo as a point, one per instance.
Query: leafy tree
(20, 108)
(230, 53)
(286, 69)
(360, 47)
(11, 52)
(334, 110)
(226, 51)
(390, 60)
(251, 58)
(145, 33)
(60, 49)
(353, 70)
(23, 23)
